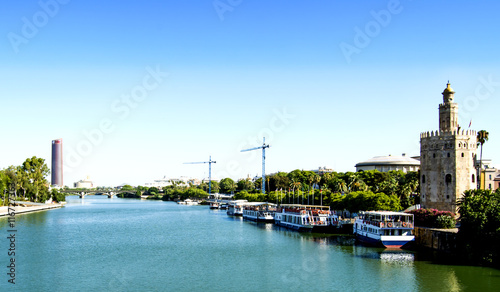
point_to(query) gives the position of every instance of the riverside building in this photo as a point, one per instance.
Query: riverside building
(389, 163)
(447, 159)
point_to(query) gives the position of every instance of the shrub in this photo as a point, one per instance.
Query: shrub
(429, 218)
(58, 196)
(445, 222)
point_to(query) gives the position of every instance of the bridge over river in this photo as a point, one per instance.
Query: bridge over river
(109, 193)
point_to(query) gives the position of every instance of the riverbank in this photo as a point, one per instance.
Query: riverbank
(4, 211)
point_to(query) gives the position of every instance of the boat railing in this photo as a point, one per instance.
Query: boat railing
(390, 224)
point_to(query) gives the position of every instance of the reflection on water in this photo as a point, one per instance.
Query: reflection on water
(384, 255)
(398, 258)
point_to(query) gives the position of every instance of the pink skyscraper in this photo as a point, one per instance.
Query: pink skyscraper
(57, 163)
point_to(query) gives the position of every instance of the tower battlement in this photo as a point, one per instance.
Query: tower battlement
(458, 133)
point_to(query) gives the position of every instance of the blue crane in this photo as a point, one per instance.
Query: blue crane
(210, 161)
(263, 147)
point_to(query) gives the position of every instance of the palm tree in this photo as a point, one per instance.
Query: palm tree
(311, 179)
(482, 137)
(297, 185)
(317, 179)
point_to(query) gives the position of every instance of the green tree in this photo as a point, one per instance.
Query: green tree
(35, 171)
(128, 188)
(479, 233)
(215, 187)
(258, 184)
(57, 196)
(212, 186)
(482, 137)
(281, 181)
(390, 184)
(227, 185)
(373, 179)
(153, 191)
(4, 186)
(245, 185)
(364, 201)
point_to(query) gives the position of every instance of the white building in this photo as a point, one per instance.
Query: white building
(181, 181)
(388, 163)
(322, 170)
(84, 184)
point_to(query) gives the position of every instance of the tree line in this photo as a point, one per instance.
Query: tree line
(353, 191)
(28, 182)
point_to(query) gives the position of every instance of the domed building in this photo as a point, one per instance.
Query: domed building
(388, 163)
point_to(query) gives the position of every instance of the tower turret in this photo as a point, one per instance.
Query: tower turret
(448, 117)
(448, 93)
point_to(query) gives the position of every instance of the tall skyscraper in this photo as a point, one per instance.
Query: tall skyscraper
(57, 163)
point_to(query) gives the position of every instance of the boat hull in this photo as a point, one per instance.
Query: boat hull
(301, 228)
(259, 219)
(386, 241)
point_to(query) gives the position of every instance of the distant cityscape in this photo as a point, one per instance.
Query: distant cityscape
(448, 163)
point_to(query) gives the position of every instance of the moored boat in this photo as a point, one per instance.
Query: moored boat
(294, 216)
(187, 202)
(235, 208)
(306, 217)
(215, 205)
(384, 228)
(260, 212)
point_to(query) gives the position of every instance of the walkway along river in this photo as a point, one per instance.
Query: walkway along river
(101, 244)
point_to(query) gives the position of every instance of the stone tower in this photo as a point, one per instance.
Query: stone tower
(447, 159)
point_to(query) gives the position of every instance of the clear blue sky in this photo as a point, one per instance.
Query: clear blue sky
(329, 83)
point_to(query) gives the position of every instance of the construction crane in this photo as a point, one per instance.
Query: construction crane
(210, 161)
(263, 147)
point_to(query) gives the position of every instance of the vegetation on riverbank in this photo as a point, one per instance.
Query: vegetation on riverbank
(366, 190)
(169, 193)
(28, 182)
(434, 218)
(479, 233)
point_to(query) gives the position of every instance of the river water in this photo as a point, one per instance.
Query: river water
(101, 244)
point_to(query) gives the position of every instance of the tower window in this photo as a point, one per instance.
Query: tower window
(448, 178)
(473, 178)
(448, 154)
(463, 154)
(433, 155)
(423, 179)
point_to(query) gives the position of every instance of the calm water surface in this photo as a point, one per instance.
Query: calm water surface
(101, 244)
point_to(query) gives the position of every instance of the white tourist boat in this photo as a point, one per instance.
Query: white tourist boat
(384, 228)
(306, 217)
(235, 208)
(215, 205)
(187, 202)
(260, 212)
